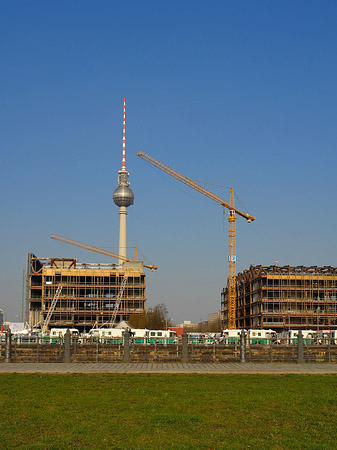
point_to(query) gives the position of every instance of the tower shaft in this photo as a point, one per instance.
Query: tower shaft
(122, 232)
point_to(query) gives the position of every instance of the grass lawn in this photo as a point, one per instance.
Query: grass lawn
(178, 411)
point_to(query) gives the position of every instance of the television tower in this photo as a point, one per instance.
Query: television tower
(123, 197)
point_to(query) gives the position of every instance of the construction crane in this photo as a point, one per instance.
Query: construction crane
(98, 250)
(51, 309)
(231, 219)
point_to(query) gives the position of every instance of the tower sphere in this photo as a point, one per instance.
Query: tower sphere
(123, 196)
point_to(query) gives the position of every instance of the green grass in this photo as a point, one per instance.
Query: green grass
(178, 411)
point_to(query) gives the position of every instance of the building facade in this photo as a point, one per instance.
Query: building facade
(283, 298)
(88, 295)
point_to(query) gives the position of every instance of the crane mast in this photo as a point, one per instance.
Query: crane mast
(231, 266)
(231, 219)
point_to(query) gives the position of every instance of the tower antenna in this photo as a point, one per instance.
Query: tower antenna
(123, 160)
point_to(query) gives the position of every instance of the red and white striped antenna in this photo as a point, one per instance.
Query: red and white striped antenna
(123, 160)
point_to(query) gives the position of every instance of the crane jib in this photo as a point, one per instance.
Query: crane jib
(231, 313)
(98, 250)
(193, 184)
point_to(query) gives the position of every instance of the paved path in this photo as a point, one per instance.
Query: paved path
(209, 368)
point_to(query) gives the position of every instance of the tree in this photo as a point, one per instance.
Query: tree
(157, 318)
(153, 319)
(138, 320)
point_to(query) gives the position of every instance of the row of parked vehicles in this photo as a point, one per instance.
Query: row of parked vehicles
(168, 337)
(229, 337)
(101, 335)
(313, 337)
(138, 335)
(113, 336)
(265, 337)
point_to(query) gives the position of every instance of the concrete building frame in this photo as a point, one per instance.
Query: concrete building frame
(283, 298)
(88, 292)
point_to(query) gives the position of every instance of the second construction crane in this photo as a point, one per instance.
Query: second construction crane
(99, 250)
(231, 219)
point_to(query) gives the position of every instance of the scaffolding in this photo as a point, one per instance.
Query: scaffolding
(89, 292)
(285, 298)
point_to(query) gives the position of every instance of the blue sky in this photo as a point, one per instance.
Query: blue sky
(239, 94)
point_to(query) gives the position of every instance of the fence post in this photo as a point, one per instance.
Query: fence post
(37, 348)
(243, 346)
(8, 350)
(97, 348)
(75, 345)
(126, 355)
(300, 357)
(67, 347)
(329, 347)
(184, 350)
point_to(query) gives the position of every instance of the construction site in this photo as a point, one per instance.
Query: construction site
(284, 298)
(62, 292)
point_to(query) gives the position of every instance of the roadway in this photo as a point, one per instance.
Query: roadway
(199, 368)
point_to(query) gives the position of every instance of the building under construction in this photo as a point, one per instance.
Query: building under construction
(283, 298)
(89, 292)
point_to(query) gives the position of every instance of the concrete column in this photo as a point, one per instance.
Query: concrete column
(300, 356)
(243, 346)
(8, 349)
(126, 356)
(122, 232)
(67, 347)
(184, 351)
